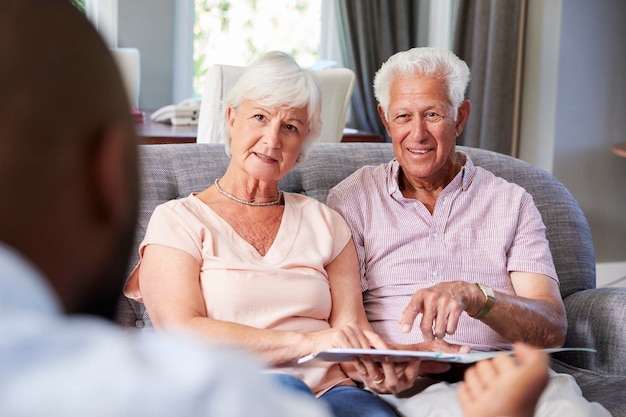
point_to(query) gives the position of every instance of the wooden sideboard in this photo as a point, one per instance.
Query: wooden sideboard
(153, 133)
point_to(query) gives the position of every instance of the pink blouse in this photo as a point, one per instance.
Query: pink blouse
(287, 289)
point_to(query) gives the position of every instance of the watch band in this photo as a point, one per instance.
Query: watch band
(490, 299)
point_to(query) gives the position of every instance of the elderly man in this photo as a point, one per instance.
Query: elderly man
(448, 243)
(68, 180)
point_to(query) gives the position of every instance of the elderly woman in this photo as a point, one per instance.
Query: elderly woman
(274, 273)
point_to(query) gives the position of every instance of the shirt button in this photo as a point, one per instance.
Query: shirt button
(435, 273)
(139, 324)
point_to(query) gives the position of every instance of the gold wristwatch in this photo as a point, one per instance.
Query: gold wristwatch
(490, 299)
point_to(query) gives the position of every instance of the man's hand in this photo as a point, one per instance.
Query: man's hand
(437, 345)
(441, 306)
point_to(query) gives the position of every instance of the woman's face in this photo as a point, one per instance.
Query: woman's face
(266, 141)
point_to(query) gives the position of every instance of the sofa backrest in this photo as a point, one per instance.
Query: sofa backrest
(173, 171)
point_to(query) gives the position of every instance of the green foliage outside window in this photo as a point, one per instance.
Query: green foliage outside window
(80, 4)
(235, 32)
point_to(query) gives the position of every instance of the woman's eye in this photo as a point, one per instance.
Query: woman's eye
(259, 117)
(291, 128)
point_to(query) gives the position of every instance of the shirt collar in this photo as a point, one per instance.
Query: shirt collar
(465, 176)
(468, 171)
(23, 286)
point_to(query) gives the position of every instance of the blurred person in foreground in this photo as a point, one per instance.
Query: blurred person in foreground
(446, 244)
(507, 385)
(68, 177)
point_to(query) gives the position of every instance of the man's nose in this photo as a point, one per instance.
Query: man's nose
(419, 128)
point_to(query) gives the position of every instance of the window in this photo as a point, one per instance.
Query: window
(80, 4)
(103, 15)
(235, 32)
(209, 31)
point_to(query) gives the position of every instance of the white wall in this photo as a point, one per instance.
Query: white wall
(539, 87)
(575, 108)
(149, 26)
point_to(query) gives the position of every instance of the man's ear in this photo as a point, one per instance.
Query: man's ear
(462, 116)
(110, 174)
(383, 117)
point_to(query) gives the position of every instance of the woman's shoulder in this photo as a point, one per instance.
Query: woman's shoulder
(308, 205)
(301, 200)
(180, 204)
(186, 209)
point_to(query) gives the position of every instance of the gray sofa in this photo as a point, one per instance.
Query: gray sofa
(596, 317)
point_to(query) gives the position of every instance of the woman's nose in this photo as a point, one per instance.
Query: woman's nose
(271, 136)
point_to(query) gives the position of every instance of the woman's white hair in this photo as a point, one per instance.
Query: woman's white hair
(276, 80)
(424, 62)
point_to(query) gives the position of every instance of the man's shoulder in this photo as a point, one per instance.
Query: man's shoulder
(486, 179)
(365, 176)
(47, 355)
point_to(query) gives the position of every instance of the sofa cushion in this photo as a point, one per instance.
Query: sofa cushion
(173, 171)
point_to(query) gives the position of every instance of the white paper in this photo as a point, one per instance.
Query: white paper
(380, 355)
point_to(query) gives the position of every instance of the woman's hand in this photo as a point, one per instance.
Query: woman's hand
(400, 376)
(351, 336)
(386, 376)
(344, 336)
(394, 377)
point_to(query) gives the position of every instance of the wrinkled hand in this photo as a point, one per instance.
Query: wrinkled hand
(395, 377)
(441, 306)
(438, 345)
(401, 376)
(345, 336)
(374, 375)
(386, 376)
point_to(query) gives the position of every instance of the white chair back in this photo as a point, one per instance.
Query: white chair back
(336, 85)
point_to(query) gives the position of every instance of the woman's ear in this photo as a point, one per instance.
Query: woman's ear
(231, 113)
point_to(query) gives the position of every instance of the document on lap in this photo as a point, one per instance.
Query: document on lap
(380, 355)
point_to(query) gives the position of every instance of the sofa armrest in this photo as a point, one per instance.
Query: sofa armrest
(597, 319)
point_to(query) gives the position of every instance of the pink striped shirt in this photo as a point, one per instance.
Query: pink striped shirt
(482, 228)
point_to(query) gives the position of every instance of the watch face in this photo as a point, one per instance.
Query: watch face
(488, 291)
(490, 299)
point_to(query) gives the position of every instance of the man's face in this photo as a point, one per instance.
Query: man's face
(422, 127)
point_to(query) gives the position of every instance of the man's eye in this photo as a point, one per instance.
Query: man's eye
(432, 116)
